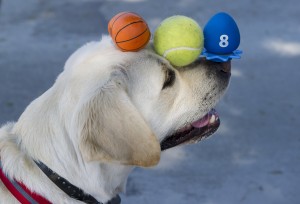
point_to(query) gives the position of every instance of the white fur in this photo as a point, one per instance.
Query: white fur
(105, 114)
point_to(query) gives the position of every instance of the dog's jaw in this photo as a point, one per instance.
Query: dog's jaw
(194, 132)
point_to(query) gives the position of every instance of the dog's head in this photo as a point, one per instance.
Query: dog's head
(126, 106)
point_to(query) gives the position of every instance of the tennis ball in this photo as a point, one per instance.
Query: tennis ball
(179, 39)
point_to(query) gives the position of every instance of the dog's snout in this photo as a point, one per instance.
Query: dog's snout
(224, 67)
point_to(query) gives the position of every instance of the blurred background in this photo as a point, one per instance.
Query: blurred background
(255, 155)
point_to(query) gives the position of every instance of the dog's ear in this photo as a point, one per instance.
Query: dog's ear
(111, 129)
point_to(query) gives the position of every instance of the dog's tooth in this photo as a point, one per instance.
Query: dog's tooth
(212, 119)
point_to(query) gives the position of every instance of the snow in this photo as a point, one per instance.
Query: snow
(255, 155)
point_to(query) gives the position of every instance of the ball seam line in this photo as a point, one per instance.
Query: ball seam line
(112, 25)
(133, 37)
(140, 46)
(125, 27)
(179, 48)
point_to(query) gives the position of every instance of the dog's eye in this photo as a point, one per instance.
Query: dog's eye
(169, 78)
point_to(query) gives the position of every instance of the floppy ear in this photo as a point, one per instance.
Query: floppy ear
(113, 130)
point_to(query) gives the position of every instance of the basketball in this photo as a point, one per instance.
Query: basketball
(129, 31)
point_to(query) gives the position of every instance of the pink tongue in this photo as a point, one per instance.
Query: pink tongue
(202, 122)
(205, 120)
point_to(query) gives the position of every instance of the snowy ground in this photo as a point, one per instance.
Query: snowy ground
(253, 158)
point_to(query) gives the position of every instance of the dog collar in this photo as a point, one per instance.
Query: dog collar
(20, 191)
(25, 196)
(70, 189)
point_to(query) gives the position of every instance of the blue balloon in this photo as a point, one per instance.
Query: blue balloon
(221, 34)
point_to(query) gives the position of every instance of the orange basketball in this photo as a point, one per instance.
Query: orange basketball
(129, 31)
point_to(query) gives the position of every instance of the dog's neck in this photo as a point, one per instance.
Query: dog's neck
(57, 150)
(102, 181)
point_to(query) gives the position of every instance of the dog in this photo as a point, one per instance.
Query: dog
(107, 112)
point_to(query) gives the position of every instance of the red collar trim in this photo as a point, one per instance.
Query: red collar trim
(20, 191)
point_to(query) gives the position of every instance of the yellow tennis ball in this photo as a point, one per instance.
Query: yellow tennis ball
(179, 39)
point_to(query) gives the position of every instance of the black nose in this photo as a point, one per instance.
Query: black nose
(225, 67)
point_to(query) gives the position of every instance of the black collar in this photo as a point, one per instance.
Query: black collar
(70, 189)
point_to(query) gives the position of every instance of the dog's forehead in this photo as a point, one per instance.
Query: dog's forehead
(145, 72)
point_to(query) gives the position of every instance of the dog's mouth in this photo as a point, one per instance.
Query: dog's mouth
(194, 132)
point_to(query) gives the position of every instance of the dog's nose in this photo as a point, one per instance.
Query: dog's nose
(226, 67)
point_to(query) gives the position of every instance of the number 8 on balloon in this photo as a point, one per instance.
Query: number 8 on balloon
(223, 41)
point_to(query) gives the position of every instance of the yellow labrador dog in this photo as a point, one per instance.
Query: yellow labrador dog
(107, 112)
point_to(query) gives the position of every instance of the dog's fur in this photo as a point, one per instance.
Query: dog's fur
(106, 113)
